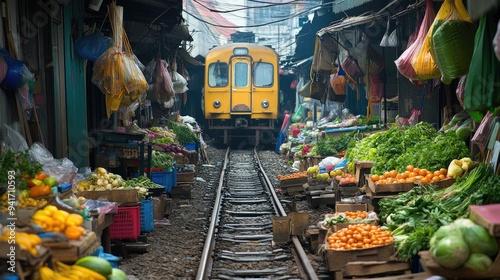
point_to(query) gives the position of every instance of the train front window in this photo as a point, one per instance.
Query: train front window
(263, 74)
(217, 74)
(241, 74)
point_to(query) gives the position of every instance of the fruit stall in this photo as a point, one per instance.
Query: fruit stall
(61, 222)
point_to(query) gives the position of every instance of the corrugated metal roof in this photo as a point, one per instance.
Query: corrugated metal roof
(343, 5)
(346, 23)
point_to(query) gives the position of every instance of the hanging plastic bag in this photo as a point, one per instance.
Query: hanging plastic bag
(423, 62)
(404, 62)
(375, 91)
(180, 83)
(297, 115)
(452, 46)
(481, 136)
(163, 88)
(483, 80)
(385, 39)
(496, 41)
(460, 92)
(351, 67)
(338, 83)
(93, 45)
(393, 39)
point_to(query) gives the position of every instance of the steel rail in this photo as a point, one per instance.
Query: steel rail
(302, 255)
(203, 268)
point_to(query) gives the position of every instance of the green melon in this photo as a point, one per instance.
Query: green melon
(96, 264)
(117, 274)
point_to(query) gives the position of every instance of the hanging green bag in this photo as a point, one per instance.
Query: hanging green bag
(483, 81)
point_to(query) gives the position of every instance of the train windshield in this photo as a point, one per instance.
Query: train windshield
(263, 74)
(218, 74)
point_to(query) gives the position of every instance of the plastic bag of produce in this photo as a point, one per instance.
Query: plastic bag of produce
(375, 88)
(464, 130)
(423, 62)
(483, 80)
(461, 90)
(351, 67)
(481, 136)
(452, 46)
(338, 83)
(403, 63)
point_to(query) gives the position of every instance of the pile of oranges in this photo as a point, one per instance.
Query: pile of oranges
(411, 175)
(359, 236)
(296, 175)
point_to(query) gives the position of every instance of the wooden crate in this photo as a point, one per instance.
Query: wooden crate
(373, 268)
(72, 250)
(388, 188)
(432, 267)
(336, 260)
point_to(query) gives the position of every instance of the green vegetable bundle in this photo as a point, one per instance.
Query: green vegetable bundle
(183, 133)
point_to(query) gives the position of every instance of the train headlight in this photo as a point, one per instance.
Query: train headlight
(265, 103)
(217, 103)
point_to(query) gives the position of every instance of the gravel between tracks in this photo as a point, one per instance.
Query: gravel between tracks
(175, 249)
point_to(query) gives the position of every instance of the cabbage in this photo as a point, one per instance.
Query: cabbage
(478, 262)
(451, 251)
(442, 232)
(480, 241)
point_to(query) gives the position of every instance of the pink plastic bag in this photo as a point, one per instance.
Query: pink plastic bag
(403, 63)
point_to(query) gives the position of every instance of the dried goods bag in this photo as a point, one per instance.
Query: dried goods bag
(452, 46)
(483, 80)
(403, 63)
(423, 62)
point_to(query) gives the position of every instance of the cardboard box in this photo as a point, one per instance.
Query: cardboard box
(336, 260)
(121, 197)
(352, 207)
(486, 216)
(361, 168)
(432, 267)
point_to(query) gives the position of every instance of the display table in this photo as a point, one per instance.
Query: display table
(100, 226)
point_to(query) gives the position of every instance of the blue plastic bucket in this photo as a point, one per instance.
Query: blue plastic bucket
(14, 73)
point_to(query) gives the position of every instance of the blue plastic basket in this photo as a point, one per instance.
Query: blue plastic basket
(190, 146)
(161, 178)
(147, 215)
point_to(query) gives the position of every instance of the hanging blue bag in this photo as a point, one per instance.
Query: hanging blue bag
(93, 45)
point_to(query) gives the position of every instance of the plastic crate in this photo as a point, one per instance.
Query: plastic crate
(147, 215)
(161, 178)
(190, 146)
(126, 223)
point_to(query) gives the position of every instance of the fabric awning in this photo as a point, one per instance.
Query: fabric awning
(346, 23)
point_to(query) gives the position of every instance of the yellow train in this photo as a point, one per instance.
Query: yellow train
(241, 91)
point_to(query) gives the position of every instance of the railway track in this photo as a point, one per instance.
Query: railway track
(239, 242)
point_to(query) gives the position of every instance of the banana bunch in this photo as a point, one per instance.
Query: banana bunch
(26, 241)
(68, 272)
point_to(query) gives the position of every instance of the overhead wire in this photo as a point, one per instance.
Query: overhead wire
(256, 25)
